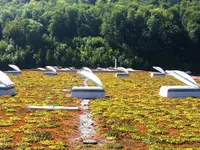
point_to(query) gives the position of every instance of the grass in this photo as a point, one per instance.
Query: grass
(133, 116)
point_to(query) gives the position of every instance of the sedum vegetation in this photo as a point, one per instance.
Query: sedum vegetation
(136, 117)
(21, 128)
(140, 33)
(132, 116)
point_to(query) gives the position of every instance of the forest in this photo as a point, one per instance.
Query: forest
(92, 33)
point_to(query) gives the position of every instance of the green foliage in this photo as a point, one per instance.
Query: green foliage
(135, 111)
(139, 33)
(22, 128)
(94, 51)
(38, 136)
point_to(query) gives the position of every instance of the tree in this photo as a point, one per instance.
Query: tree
(14, 30)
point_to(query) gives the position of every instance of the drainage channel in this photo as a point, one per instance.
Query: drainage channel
(86, 124)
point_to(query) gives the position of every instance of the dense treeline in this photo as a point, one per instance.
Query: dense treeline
(140, 33)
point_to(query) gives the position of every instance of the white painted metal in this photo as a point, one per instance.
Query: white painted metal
(130, 69)
(87, 69)
(6, 85)
(123, 69)
(88, 92)
(115, 63)
(51, 68)
(122, 75)
(5, 80)
(90, 76)
(53, 107)
(158, 74)
(42, 69)
(53, 73)
(14, 67)
(183, 77)
(159, 69)
(192, 90)
(50, 73)
(161, 74)
(7, 91)
(179, 91)
(16, 70)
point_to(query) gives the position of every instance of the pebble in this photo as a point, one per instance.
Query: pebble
(89, 142)
(86, 122)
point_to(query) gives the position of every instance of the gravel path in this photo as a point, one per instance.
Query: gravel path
(86, 123)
